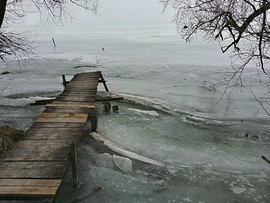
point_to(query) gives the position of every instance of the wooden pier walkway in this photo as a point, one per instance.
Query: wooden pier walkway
(33, 169)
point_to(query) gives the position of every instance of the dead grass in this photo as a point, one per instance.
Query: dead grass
(8, 136)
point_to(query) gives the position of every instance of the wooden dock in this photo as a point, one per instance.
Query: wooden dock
(32, 171)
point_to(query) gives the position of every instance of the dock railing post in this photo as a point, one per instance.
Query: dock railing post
(104, 83)
(73, 157)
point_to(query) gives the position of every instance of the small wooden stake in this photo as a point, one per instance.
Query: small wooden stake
(73, 157)
(53, 42)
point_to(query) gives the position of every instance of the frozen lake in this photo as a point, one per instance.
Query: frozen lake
(210, 148)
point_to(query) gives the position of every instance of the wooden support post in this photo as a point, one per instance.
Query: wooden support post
(104, 83)
(73, 157)
(92, 118)
(64, 81)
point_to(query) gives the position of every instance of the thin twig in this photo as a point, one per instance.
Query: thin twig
(265, 159)
(261, 104)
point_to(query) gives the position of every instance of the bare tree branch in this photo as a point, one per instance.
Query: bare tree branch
(261, 104)
(233, 22)
(13, 11)
(12, 44)
(3, 4)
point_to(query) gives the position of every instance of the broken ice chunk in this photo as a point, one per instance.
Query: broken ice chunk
(123, 163)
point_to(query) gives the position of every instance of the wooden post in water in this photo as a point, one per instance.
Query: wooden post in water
(73, 157)
(64, 81)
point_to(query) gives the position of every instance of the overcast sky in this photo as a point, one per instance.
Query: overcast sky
(127, 12)
(117, 12)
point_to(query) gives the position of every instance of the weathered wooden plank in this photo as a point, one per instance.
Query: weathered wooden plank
(41, 170)
(91, 93)
(85, 81)
(80, 97)
(89, 75)
(60, 120)
(81, 91)
(28, 191)
(96, 74)
(63, 115)
(88, 98)
(64, 109)
(37, 153)
(48, 131)
(56, 109)
(79, 75)
(16, 199)
(74, 103)
(75, 99)
(58, 125)
(30, 182)
(73, 137)
(81, 87)
(31, 142)
(83, 75)
(80, 94)
(86, 95)
(65, 104)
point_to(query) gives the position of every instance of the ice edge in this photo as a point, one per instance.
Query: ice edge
(124, 152)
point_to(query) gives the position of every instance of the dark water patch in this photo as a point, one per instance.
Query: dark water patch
(39, 94)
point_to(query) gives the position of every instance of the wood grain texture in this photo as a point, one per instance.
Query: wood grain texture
(61, 120)
(64, 115)
(37, 153)
(28, 191)
(66, 105)
(58, 125)
(30, 182)
(30, 170)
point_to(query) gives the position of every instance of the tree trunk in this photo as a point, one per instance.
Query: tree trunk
(3, 4)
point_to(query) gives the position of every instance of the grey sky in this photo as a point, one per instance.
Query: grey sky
(113, 13)
(126, 12)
